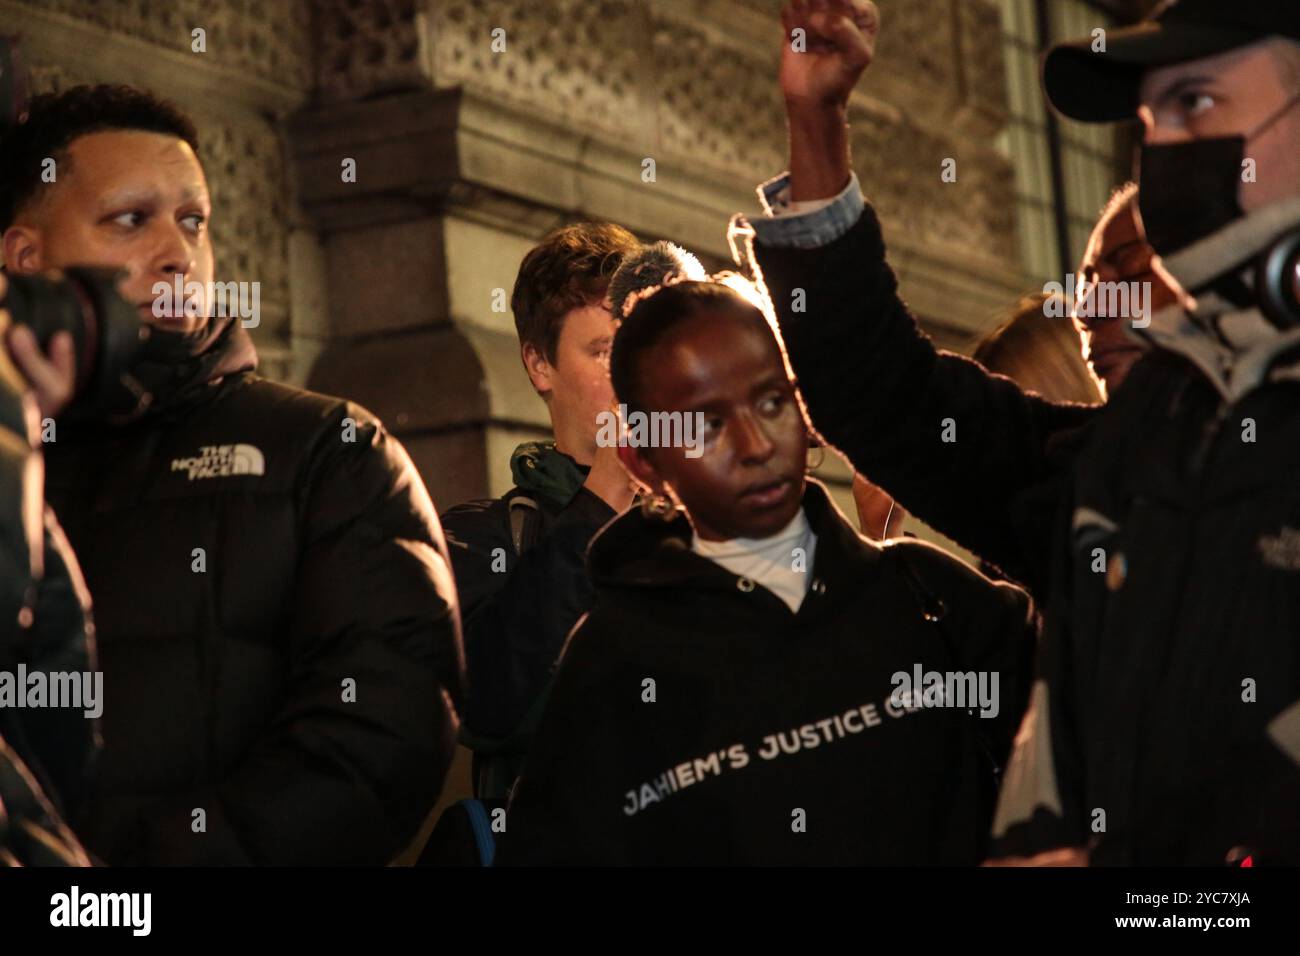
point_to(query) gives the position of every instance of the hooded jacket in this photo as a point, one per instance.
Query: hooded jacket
(276, 621)
(696, 719)
(1161, 532)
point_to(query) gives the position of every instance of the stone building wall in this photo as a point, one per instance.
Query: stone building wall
(382, 289)
(470, 154)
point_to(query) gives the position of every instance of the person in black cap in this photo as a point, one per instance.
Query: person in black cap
(1216, 85)
(1161, 531)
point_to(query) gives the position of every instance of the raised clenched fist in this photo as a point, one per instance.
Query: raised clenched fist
(828, 44)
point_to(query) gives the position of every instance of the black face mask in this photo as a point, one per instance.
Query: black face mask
(1190, 190)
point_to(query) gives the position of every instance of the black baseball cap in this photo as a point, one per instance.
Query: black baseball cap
(1098, 87)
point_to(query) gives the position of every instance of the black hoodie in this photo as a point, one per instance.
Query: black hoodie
(276, 621)
(695, 719)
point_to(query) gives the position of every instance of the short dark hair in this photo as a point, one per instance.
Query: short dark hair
(570, 268)
(655, 317)
(54, 120)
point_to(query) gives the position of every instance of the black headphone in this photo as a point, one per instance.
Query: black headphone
(1277, 281)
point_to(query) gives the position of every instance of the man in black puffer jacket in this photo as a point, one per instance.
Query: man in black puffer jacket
(276, 615)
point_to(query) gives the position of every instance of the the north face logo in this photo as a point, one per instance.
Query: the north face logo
(222, 461)
(1283, 550)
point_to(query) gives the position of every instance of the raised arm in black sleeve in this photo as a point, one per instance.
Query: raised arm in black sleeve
(877, 389)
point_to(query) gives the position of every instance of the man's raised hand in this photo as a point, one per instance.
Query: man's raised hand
(828, 44)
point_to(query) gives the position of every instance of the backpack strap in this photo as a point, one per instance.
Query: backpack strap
(497, 760)
(525, 520)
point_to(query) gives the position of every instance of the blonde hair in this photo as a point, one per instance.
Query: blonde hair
(1039, 352)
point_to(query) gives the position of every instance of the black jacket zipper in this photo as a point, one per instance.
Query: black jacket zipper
(1210, 433)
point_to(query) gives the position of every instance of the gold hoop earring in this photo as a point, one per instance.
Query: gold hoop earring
(657, 506)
